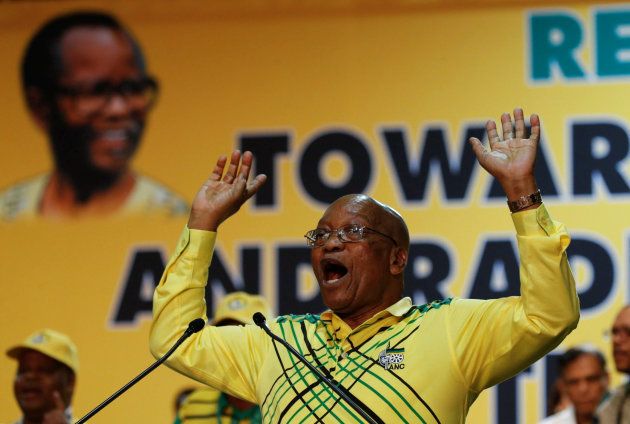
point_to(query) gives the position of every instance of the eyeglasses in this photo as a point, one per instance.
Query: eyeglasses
(138, 93)
(347, 234)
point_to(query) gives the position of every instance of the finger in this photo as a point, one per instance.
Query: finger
(506, 125)
(255, 185)
(519, 123)
(493, 135)
(232, 167)
(534, 121)
(478, 147)
(217, 172)
(246, 165)
(58, 402)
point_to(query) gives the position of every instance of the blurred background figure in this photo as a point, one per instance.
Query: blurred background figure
(46, 377)
(557, 399)
(86, 85)
(208, 405)
(617, 408)
(584, 379)
(180, 397)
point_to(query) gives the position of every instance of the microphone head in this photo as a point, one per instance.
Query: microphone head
(259, 319)
(196, 325)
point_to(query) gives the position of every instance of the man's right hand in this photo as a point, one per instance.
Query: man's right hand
(221, 196)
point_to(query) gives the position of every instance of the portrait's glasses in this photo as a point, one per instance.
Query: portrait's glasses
(347, 234)
(138, 93)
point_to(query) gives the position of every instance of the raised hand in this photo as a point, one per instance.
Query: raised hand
(512, 160)
(221, 196)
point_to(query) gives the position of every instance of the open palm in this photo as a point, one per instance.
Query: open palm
(512, 160)
(221, 195)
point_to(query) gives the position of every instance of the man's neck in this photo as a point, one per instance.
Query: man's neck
(356, 319)
(584, 418)
(39, 418)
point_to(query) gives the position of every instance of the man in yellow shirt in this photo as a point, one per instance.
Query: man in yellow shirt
(398, 362)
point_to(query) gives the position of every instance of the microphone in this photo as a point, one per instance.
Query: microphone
(193, 327)
(259, 320)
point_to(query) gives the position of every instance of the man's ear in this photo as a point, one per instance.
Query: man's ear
(397, 260)
(39, 106)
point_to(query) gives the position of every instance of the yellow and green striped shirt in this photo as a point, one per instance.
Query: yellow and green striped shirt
(407, 363)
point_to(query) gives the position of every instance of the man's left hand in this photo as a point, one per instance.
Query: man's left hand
(511, 160)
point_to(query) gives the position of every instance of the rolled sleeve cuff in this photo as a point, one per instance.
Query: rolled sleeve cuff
(533, 222)
(196, 244)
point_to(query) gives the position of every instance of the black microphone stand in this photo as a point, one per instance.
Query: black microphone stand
(193, 327)
(260, 321)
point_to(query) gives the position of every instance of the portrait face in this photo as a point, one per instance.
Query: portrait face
(585, 383)
(100, 103)
(621, 341)
(354, 277)
(37, 378)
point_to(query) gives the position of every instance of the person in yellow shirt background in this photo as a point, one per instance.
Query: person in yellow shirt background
(45, 378)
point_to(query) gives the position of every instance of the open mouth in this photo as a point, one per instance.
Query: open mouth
(333, 271)
(114, 143)
(115, 135)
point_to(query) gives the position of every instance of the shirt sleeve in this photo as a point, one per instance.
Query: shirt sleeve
(226, 358)
(492, 340)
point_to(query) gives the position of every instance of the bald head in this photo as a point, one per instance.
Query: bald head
(380, 216)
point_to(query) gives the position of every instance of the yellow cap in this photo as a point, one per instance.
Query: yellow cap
(50, 343)
(240, 306)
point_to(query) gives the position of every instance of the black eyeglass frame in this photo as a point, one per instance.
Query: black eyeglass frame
(145, 85)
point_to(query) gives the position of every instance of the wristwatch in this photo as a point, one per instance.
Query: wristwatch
(525, 201)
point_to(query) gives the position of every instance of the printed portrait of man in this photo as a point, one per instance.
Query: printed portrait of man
(86, 85)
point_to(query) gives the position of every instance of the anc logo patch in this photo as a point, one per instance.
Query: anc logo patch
(392, 358)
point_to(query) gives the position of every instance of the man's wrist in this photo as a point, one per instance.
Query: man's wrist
(525, 202)
(201, 221)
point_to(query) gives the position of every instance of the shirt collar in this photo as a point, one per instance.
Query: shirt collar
(398, 309)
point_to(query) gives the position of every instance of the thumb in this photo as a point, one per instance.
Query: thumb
(56, 415)
(478, 148)
(58, 401)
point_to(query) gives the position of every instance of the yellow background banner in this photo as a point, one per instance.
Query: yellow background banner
(355, 95)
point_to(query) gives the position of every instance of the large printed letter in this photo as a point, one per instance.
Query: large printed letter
(554, 40)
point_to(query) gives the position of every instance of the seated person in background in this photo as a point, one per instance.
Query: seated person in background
(208, 405)
(46, 377)
(584, 379)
